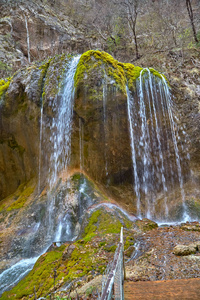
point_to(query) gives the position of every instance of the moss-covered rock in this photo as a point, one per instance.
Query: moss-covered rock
(4, 84)
(146, 224)
(122, 73)
(89, 255)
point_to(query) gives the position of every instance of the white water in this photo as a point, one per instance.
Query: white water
(105, 122)
(28, 39)
(14, 274)
(40, 148)
(81, 144)
(152, 133)
(173, 125)
(60, 144)
(61, 126)
(130, 105)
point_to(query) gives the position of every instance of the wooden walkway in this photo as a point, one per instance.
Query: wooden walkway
(179, 289)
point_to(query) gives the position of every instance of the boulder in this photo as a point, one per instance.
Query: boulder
(146, 224)
(182, 250)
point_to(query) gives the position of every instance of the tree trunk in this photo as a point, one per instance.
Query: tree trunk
(190, 13)
(136, 44)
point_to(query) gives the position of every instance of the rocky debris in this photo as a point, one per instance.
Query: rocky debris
(87, 289)
(154, 258)
(194, 226)
(182, 250)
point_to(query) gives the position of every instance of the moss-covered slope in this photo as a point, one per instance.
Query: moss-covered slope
(79, 261)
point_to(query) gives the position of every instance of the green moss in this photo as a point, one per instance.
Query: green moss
(2, 207)
(122, 73)
(41, 277)
(93, 220)
(132, 73)
(102, 244)
(90, 255)
(76, 176)
(102, 221)
(92, 59)
(129, 242)
(110, 248)
(4, 84)
(22, 199)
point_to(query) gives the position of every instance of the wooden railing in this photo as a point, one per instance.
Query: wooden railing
(114, 286)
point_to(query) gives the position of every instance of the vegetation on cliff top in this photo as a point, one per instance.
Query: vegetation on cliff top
(122, 73)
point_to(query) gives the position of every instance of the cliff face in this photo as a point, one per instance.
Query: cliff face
(100, 140)
(117, 140)
(36, 210)
(34, 30)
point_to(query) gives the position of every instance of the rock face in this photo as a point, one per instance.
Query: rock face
(47, 26)
(100, 149)
(100, 137)
(32, 223)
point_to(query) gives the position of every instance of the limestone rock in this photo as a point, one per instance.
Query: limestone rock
(182, 250)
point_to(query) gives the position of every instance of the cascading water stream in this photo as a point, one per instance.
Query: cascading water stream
(14, 274)
(40, 147)
(130, 106)
(60, 145)
(60, 140)
(152, 126)
(61, 126)
(104, 122)
(172, 123)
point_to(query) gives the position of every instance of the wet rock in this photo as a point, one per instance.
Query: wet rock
(146, 224)
(182, 250)
(194, 226)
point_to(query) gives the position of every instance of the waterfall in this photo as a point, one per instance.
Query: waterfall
(61, 125)
(14, 274)
(173, 126)
(130, 106)
(58, 221)
(28, 39)
(81, 134)
(60, 142)
(156, 158)
(104, 123)
(40, 147)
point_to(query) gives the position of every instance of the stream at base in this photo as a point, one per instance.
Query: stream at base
(10, 277)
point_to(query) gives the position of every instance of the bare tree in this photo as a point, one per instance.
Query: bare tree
(191, 16)
(131, 13)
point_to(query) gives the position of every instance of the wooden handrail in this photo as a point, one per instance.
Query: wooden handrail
(110, 280)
